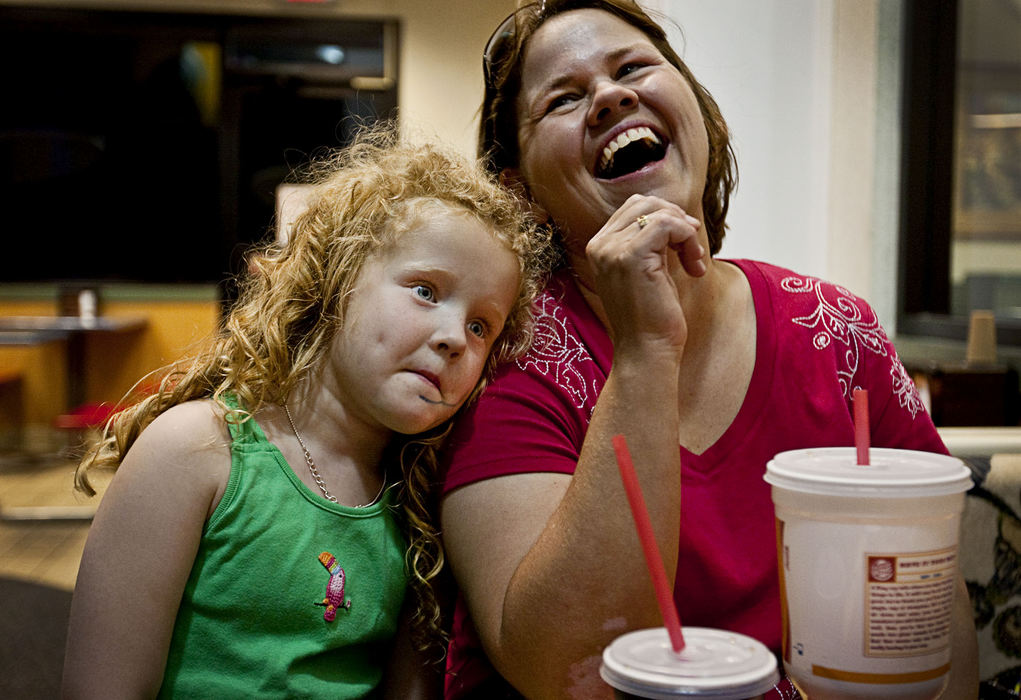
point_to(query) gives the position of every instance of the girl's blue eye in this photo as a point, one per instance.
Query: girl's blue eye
(477, 328)
(424, 292)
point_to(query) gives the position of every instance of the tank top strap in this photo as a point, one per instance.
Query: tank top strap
(243, 428)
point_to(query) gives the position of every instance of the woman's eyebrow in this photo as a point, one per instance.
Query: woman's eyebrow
(556, 83)
(568, 76)
(624, 50)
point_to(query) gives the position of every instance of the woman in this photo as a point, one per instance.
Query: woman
(593, 119)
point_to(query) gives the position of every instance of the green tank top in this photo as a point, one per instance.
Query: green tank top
(290, 596)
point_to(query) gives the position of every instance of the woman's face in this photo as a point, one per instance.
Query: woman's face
(603, 115)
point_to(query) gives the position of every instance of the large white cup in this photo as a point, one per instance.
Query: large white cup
(868, 561)
(713, 664)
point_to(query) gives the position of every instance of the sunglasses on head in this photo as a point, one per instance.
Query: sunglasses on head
(502, 39)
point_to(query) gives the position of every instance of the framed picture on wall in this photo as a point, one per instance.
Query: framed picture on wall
(988, 164)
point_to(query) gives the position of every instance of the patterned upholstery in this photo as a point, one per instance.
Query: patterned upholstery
(991, 564)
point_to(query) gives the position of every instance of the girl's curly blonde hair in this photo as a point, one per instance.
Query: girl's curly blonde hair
(292, 304)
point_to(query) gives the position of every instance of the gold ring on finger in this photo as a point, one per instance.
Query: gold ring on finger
(642, 221)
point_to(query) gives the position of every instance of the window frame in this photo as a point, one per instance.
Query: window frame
(927, 167)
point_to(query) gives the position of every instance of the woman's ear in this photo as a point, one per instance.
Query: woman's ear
(512, 179)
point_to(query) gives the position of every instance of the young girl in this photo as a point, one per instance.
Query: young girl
(250, 544)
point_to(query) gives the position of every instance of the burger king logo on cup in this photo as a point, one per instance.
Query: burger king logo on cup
(880, 569)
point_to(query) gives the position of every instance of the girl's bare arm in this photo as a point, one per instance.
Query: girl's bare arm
(139, 553)
(411, 674)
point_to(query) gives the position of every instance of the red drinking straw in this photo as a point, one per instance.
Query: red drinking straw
(860, 398)
(649, 545)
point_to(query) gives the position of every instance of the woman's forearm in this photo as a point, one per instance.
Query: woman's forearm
(585, 579)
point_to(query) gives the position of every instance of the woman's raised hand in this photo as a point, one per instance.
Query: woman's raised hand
(633, 257)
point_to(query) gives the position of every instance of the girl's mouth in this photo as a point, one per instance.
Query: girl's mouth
(435, 382)
(436, 402)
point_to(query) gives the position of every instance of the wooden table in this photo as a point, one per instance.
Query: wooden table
(74, 330)
(15, 330)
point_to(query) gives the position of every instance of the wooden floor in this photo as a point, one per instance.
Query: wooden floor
(43, 520)
(43, 526)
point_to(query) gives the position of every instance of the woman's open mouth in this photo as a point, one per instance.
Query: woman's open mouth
(629, 152)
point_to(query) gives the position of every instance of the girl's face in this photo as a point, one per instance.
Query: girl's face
(421, 321)
(603, 115)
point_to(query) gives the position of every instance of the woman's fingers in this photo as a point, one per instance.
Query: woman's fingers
(631, 258)
(681, 233)
(690, 251)
(646, 227)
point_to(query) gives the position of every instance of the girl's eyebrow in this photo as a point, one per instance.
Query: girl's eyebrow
(416, 267)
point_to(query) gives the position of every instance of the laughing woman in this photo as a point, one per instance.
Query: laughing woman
(708, 366)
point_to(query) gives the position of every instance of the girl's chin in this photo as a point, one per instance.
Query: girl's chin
(437, 402)
(421, 422)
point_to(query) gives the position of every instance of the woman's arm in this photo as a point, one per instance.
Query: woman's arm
(139, 554)
(549, 564)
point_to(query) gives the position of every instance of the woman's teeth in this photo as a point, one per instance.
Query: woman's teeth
(640, 133)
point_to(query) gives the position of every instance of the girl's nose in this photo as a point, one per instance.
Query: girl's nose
(611, 98)
(450, 337)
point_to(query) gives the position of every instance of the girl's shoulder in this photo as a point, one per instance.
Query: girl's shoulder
(190, 425)
(191, 441)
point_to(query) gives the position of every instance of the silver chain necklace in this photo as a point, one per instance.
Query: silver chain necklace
(315, 472)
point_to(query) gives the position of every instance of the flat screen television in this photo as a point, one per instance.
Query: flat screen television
(143, 146)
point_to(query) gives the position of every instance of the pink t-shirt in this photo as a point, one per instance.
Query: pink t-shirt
(816, 342)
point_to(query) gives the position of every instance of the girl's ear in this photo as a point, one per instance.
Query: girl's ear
(512, 179)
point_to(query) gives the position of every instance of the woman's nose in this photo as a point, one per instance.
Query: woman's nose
(611, 98)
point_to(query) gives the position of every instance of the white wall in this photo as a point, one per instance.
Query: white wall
(441, 64)
(799, 82)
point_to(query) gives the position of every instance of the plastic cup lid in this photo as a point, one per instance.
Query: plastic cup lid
(891, 472)
(714, 664)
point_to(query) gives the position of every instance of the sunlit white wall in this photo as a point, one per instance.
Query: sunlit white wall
(808, 88)
(441, 65)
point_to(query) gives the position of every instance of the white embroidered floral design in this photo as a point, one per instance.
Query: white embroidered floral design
(841, 320)
(556, 352)
(904, 388)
